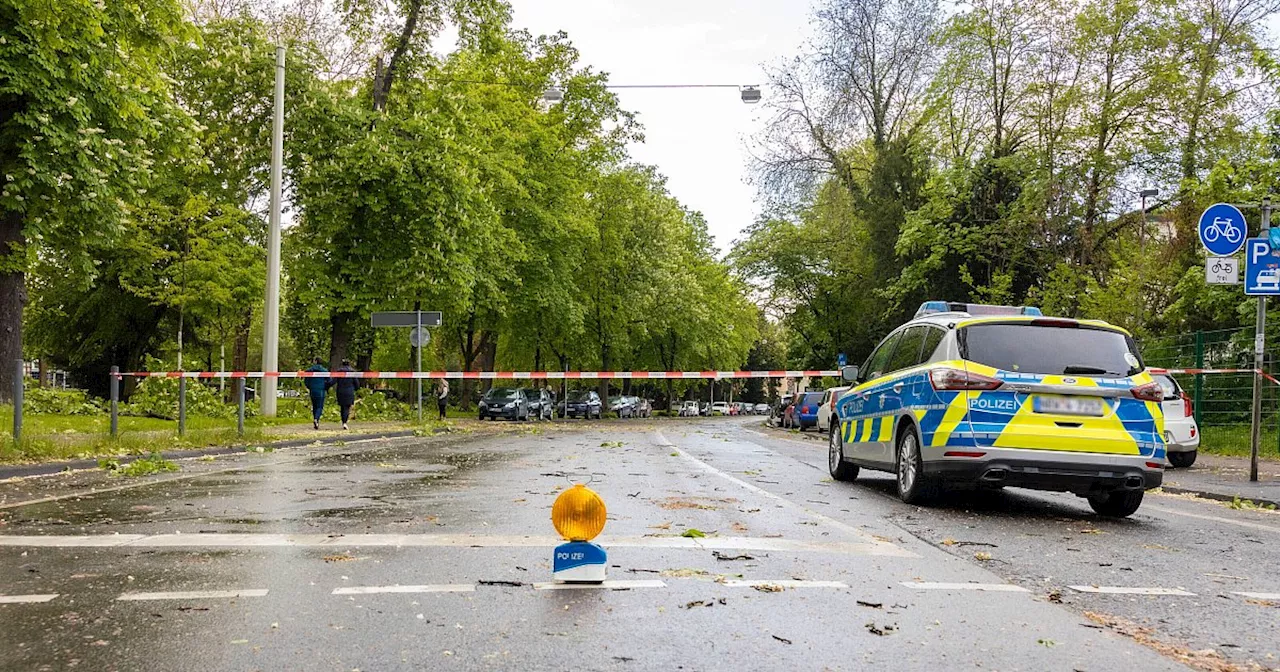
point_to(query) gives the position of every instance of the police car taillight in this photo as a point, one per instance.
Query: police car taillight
(955, 379)
(1149, 392)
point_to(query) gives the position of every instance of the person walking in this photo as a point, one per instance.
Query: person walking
(442, 396)
(317, 386)
(346, 391)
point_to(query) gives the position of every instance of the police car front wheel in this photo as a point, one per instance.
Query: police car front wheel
(840, 470)
(914, 486)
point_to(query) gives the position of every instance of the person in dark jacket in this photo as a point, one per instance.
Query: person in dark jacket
(317, 387)
(346, 392)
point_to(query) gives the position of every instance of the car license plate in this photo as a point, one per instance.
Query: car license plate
(1057, 405)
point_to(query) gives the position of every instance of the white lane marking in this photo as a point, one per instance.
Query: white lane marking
(1216, 519)
(193, 594)
(245, 467)
(763, 544)
(1260, 596)
(874, 546)
(25, 599)
(1126, 590)
(639, 583)
(989, 587)
(783, 583)
(436, 588)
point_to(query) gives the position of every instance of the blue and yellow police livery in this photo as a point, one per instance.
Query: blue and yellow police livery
(991, 396)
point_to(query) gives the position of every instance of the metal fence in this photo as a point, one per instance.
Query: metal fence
(1222, 401)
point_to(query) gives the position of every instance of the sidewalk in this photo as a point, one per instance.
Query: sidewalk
(1226, 478)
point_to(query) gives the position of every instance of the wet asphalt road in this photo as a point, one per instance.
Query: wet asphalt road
(423, 553)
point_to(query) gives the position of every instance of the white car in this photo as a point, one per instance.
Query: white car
(720, 408)
(828, 407)
(1181, 435)
(761, 409)
(689, 409)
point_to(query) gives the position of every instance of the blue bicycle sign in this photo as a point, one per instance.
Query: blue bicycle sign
(1222, 229)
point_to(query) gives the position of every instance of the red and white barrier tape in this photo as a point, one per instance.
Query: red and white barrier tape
(481, 375)
(1260, 372)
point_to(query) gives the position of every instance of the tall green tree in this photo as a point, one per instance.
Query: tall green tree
(86, 115)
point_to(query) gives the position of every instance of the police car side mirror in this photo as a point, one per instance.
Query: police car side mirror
(849, 373)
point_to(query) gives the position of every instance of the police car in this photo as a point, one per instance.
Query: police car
(994, 396)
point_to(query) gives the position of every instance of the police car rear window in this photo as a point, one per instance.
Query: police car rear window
(1050, 350)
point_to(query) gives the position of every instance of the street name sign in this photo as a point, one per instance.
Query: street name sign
(407, 318)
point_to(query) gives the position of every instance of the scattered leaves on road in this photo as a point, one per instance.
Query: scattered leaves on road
(1206, 660)
(1047, 643)
(684, 573)
(611, 444)
(340, 557)
(768, 587)
(872, 605)
(880, 630)
(693, 533)
(738, 527)
(1091, 530)
(782, 639)
(661, 526)
(721, 556)
(697, 503)
(1055, 596)
(1263, 603)
(982, 556)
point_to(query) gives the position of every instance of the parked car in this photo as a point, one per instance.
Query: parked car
(584, 404)
(704, 408)
(644, 408)
(789, 415)
(828, 408)
(761, 409)
(504, 402)
(689, 409)
(540, 402)
(720, 408)
(623, 406)
(805, 413)
(778, 411)
(1181, 435)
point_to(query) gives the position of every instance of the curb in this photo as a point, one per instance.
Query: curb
(48, 468)
(1218, 496)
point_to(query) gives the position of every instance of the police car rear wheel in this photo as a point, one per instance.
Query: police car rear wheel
(1118, 504)
(913, 486)
(840, 470)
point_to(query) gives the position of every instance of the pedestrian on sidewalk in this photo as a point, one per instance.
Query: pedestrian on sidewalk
(346, 391)
(317, 387)
(442, 396)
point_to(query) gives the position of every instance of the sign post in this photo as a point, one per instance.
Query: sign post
(418, 336)
(1261, 279)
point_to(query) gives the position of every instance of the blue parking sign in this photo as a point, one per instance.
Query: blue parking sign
(1261, 269)
(1222, 229)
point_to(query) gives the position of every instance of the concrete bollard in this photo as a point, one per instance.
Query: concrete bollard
(17, 403)
(182, 406)
(115, 401)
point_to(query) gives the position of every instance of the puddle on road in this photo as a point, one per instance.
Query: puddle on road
(350, 486)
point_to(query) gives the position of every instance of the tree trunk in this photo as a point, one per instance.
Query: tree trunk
(13, 298)
(341, 329)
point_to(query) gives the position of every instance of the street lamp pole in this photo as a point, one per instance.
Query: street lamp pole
(1142, 230)
(271, 311)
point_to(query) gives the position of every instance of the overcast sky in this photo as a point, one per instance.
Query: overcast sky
(696, 137)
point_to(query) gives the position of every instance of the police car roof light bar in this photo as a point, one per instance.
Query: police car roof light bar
(974, 309)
